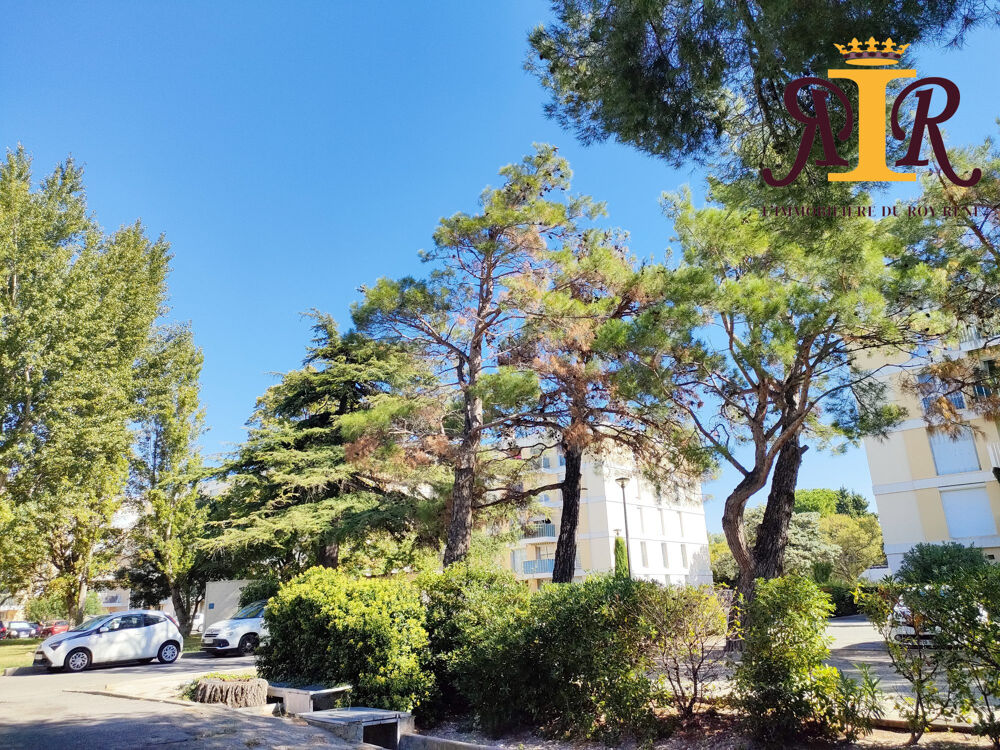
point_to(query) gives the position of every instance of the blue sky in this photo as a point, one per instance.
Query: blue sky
(292, 152)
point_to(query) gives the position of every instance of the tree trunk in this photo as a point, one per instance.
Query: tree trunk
(732, 525)
(328, 555)
(565, 563)
(460, 525)
(463, 491)
(182, 608)
(78, 603)
(233, 693)
(772, 537)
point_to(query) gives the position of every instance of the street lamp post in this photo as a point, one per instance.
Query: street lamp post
(622, 481)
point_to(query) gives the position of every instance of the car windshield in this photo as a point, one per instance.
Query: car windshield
(19, 624)
(90, 624)
(251, 610)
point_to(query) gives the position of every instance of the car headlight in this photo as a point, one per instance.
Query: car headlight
(55, 646)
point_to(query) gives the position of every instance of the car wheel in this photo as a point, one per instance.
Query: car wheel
(78, 660)
(168, 653)
(248, 644)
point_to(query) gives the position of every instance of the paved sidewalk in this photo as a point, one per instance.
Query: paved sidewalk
(59, 710)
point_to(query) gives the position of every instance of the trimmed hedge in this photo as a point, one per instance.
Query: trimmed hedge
(329, 628)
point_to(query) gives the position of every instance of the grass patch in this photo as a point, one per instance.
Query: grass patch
(187, 690)
(17, 652)
(192, 643)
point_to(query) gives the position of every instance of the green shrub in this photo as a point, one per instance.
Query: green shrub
(939, 563)
(328, 628)
(843, 596)
(573, 662)
(966, 616)
(920, 660)
(259, 590)
(688, 640)
(458, 602)
(781, 683)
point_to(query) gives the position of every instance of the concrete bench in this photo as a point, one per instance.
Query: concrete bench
(301, 700)
(358, 724)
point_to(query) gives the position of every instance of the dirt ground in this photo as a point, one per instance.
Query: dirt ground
(720, 734)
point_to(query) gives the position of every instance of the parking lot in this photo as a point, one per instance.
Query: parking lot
(44, 710)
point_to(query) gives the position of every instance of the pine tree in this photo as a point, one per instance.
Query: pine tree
(317, 476)
(460, 316)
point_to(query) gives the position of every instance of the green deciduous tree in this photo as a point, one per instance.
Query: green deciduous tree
(858, 541)
(77, 307)
(166, 467)
(823, 502)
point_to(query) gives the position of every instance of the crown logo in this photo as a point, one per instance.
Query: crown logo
(872, 52)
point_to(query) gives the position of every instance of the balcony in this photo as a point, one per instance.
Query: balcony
(539, 530)
(531, 567)
(972, 336)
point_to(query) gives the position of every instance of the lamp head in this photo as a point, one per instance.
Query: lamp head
(622, 481)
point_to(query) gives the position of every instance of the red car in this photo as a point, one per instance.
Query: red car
(54, 628)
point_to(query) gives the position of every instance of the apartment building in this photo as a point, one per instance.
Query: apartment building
(668, 541)
(931, 487)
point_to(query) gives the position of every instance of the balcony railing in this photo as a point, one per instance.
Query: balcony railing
(539, 566)
(538, 529)
(978, 334)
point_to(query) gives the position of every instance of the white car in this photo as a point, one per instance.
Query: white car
(134, 635)
(238, 635)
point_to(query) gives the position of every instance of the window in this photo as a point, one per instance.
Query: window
(989, 379)
(546, 462)
(666, 555)
(562, 460)
(936, 390)
(125, 622)
(645, 554)
(152, 620)
(968, 512)
(954, 455)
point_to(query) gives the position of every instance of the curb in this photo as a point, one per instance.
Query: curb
(113, 694)
(14, 671)
(935, 726)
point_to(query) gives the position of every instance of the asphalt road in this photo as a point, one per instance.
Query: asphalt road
(47, 710)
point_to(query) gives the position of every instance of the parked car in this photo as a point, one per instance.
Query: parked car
(20, 629)
(53, 628)
(906, 626)
(134, 635)
(3, 630)
(197, 623)
(238, 635)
